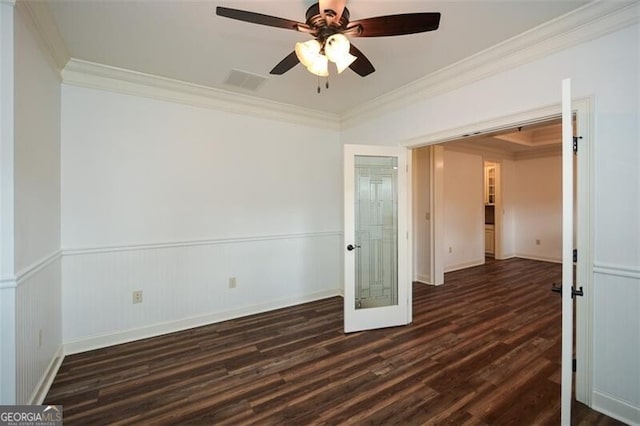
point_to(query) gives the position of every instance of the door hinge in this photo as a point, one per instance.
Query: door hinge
(575, 144)
(574, 365)
(574, 292)
(575, 255)
(578, 292)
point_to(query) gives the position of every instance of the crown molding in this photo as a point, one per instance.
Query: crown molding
(589, 22)
(40, 18)
(488, 152)
(586, 23)
(542, 152)
(97, 76)
(500, 154)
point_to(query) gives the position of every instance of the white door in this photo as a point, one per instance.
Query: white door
(567, 252)
(377, 289)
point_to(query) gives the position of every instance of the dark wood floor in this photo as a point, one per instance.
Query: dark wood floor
(483, 349)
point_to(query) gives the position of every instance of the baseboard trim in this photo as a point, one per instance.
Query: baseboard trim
(465, 265)
(125, 336)
(42, 389)
(506, 257)
(460, 266)
(427, 283)
(423, 279)
(538, 258)
(613, 407)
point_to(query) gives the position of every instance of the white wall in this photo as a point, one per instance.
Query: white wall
(531, 202)
(37, 149)
(174, 200)
(36, 306)
(538, 208)
(463, 210)
(607, 69)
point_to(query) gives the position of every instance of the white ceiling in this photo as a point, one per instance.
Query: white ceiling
(185, 40)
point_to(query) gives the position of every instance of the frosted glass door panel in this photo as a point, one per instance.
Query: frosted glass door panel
(376, 230)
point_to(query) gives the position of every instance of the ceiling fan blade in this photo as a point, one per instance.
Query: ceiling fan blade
(393, 25)
(290, 61)
(258, 18)
(361, 66)
(331, 10)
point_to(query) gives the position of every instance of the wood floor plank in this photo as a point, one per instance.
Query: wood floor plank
(483, 349)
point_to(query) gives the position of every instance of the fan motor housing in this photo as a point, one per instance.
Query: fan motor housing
(315, 20)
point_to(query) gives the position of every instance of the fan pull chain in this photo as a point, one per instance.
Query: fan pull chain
(326, 84)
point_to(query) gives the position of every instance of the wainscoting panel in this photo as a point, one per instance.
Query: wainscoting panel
(616, 342)
(186, 284)
(38, 328)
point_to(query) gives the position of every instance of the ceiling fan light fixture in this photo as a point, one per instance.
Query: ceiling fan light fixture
(337, 49)
(328, 21)
(320, 66)
(308, 52)
(344, 62)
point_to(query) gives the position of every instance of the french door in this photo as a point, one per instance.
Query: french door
(567, 253)
(377, 289)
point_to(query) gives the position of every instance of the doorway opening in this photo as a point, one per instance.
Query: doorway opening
(491, 169)
(429, 214)
(500, 196)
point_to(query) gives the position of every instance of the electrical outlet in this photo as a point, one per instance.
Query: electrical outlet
(232, 282)
(40, 338)
(137, 296)
(537, 242)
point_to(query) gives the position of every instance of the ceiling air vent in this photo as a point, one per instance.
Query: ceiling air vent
(245, 80)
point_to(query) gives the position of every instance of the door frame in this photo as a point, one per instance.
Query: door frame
(583, 110)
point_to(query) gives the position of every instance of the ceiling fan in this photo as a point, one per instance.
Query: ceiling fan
(328, 22)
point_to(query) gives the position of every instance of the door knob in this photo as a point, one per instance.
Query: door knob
(352, 247)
